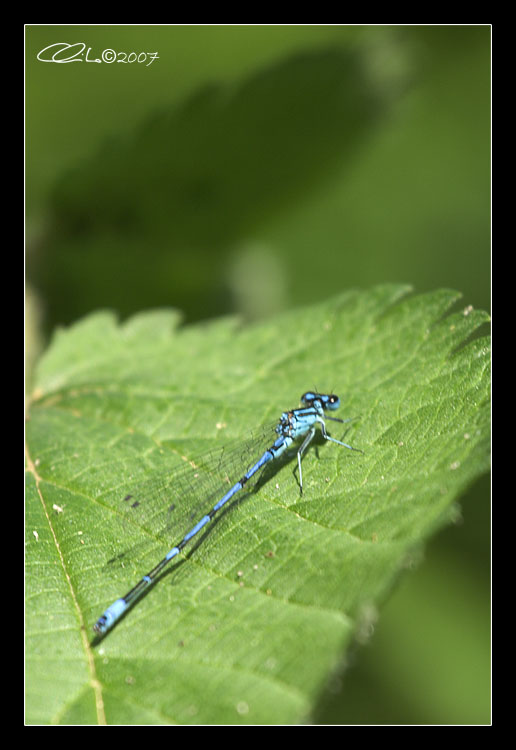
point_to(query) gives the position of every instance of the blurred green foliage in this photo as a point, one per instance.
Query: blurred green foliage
(252, 168)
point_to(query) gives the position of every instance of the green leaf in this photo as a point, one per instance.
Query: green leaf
(216, 167)
(248, 626)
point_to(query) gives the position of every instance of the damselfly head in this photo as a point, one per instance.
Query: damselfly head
(328, 401)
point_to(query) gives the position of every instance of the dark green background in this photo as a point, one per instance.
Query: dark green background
(253, 168)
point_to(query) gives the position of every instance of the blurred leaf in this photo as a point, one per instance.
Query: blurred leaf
(251, 625)
(161, 213)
